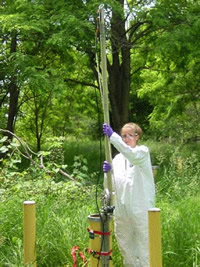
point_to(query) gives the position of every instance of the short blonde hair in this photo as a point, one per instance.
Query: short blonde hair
(135, 127)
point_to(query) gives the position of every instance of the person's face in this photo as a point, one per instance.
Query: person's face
(129, 136)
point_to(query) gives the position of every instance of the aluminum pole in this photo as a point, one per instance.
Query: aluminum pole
(105, 100)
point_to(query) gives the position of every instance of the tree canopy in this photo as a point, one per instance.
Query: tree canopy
(48, 67)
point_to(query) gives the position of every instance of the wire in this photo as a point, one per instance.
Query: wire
(100, 174)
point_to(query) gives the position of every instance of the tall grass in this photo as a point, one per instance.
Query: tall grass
(181, 232)
(62, 207)
(178, 196)
(61, 224)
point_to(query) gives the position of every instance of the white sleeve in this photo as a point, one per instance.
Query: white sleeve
(137, 155)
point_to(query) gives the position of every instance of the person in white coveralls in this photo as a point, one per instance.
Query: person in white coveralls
(134, 188)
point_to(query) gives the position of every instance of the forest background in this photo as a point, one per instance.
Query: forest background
(50, 101)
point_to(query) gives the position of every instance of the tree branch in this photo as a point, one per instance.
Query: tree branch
(81, 83)
(27, 155)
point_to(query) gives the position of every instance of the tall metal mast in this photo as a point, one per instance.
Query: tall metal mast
(103, 221)
(105, 103)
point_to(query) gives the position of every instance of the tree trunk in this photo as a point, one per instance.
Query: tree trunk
(12, 112)
(121, 42)
(38, 134)
(119, 73)
(14, 93)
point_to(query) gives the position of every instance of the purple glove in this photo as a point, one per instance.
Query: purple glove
(106, 166)
(107, 130)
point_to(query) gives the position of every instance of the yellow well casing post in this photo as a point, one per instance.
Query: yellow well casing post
(155, 248)
(29, 234)
(97, 244)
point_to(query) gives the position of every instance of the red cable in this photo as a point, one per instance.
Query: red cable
(73, 252)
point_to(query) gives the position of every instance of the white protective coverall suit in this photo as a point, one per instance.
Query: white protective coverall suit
(134, 187)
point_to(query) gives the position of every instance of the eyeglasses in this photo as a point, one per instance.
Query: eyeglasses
(129, 136)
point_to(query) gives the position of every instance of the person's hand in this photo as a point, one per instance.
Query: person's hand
(106, 166)
(107, 130)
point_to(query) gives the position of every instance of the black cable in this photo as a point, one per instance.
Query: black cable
(99, 174)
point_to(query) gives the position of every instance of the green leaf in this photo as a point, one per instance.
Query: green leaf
(64, 166)
(15, 144)
(3, 149)
(2, 140)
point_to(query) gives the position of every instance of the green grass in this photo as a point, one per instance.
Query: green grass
(62, 207)
(181, 232)
(61, 224)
